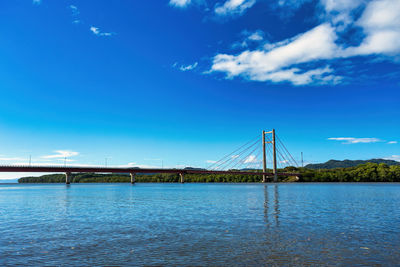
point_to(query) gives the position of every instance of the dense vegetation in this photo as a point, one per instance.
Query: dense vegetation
(332, 164)
(153, 178)
(368, 172)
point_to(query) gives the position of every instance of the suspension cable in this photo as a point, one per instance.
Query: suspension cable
(237, 158)
(248, 155)
(232, 159)
(215, 163)
(287, 151)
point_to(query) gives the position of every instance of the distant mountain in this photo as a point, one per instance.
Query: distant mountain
(331, 164)
(192, 168)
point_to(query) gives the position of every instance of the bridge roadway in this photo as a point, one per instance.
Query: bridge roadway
(132, 171)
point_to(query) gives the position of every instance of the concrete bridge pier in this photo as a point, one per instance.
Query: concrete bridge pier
(132, 177)
(181, 178)
(67, 178)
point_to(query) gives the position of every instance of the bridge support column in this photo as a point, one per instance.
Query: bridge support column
(181, 178)
(67, 178)
(264, 180)
(132, 177)
(274, 156)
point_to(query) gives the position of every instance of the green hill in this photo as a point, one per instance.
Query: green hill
(332, 164)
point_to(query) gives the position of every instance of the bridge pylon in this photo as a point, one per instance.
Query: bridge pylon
(264, 157)
(274, 163)
(275, 170)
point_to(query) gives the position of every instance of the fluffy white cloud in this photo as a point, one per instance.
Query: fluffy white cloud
(249, 38)
(299, 77)
(186, 67)
(352, 140)
(394, 157)
(340, 5)
(96, 31)
(340, 11)
(256, 36)
(271, 62)
(381, 24)
(232, 7)
(250, 159)
(61, 154)
(392, 142)
(211, 161)
(289, 60)
(179, 3)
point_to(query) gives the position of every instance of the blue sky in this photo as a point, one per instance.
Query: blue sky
(179, 82)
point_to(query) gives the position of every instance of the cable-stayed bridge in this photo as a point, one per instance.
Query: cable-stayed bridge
(252, 158)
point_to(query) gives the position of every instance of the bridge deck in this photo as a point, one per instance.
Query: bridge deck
(58, 169)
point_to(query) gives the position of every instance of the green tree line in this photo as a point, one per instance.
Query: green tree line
(369, 172)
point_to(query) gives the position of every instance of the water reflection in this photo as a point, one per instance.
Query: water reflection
(275, 202)
(65, 200)
(266, 205)
(276, 206)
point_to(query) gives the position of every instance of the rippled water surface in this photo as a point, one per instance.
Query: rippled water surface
(200, 224)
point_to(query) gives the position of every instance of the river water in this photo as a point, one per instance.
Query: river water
(200, 224)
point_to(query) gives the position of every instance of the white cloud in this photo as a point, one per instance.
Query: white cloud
(394, 157)
(74, 10)
(187, 67)
(256, 36)
(339, 12)
(36, 2)
(210, 161)
(12, 159)
(392, 142)
(179, 3)
(96, 31)
(270, 63)
(61, 154)
(249, 37)
(302, 59)
(136, 165)
(281, 61)
(352, 140)
(233, 7)
(290, 5)
(66, 160)
(250, 159)
(381, 24)
(340, 5)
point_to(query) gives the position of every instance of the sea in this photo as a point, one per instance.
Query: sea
(341, 224)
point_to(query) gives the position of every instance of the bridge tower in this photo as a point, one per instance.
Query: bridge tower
(132, 177)
(274, 156)
(274, 163)
(264, 157)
